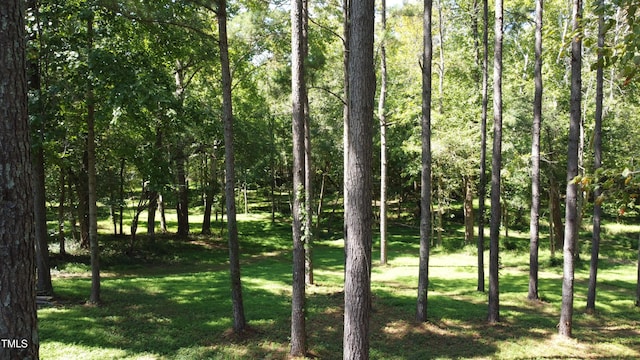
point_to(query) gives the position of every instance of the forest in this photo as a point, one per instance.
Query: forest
(239, 179)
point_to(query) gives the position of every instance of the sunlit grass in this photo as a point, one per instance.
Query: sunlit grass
(170, 299)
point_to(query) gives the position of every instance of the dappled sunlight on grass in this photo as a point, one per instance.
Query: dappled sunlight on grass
(171, 300)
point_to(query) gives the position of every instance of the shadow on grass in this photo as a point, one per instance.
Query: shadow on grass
(183, 311)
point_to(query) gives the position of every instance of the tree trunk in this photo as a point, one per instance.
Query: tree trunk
(441, 68)
(571, 211)
(357, 287)
(383, 135)
(182, 206)
(161, 210)
(239, 321)
(638, 276)
(534, 225)
(151, 214)
(44, 285)
(496, 165)
(440, 211)
(93, 189)
(211, 190)
(597, 163)
(17, 233)
(555, 210)
(346, 25)
(321, 200)
(298, 316)
(61, 203)
(482, 191)
(468, 210)
(308, 165)
(425, 190)
(121, 217)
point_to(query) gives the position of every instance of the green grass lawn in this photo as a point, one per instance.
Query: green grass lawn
(171, 300)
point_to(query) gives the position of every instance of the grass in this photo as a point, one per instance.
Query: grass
(170, 300)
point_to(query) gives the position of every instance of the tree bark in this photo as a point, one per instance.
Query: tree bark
(239, 321)
(383, 135)
(61, 203)
(91, 174)
(17, 233)
(597, 163)
(638, 276)
(482, 191)
(182, 206)
(357, 287)
(346, 14)
(211, 190)
(44, 285)
(468, 210)
(298, 331)
(571, 211)
(425, 190)
(496, 165)
(308, 164)
(534, 226)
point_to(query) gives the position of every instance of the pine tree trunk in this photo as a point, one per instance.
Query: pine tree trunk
(358, 210)
(597, 163)
(210, 193)
(571, 210)
(44, 285)
(17, 233)
(468, 210)
(425, 190)
(534, 226)
(482, 191)
(298, 316)
(92, 186)
(182, 206)
(239, 321)
(383, 135)
(163, 218)
(61, 206)
(496, 165)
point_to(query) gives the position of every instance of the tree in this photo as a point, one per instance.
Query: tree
(597, 163)
(91, 173)
(358, 178)
(239, 321)
(534, 228)
(425, 190)
(482, 189)
(298, 332)
(308, 161)
(17, 233)
(383, 135)
(496, 165)
(44, 285)
(571, 210)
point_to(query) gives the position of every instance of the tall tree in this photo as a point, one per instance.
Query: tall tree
(298, 332)
(425, 191)
(357, 287)
(44, 285)
(534, 226)
(308, 163)
(597, 163)
(482, 190)
(383, 134)
(496, 165)
(571, 210)
(18, 318)
(91, 171)
(239, 321)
